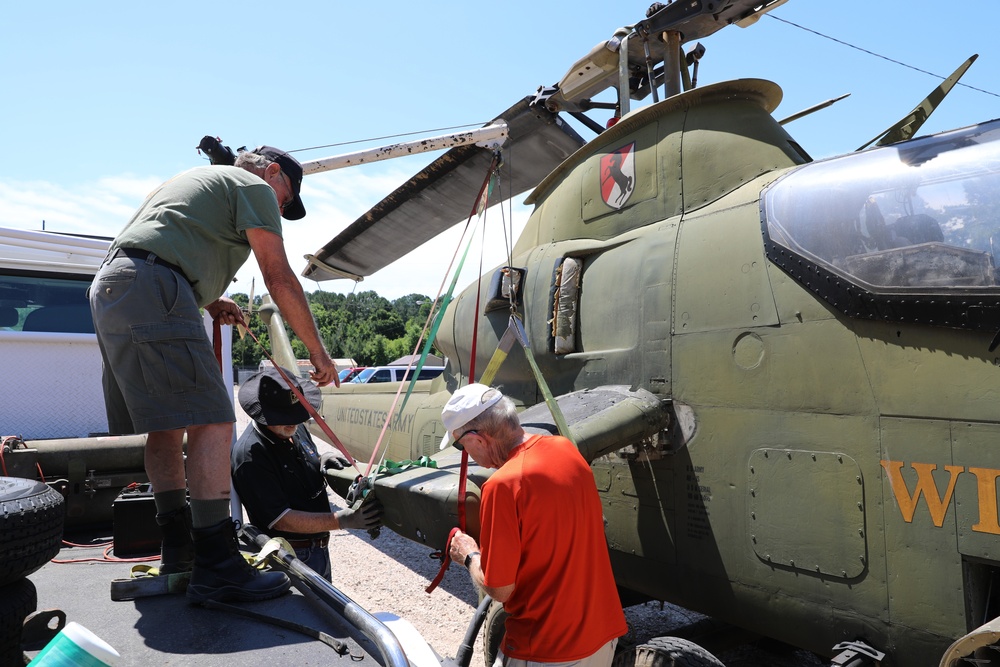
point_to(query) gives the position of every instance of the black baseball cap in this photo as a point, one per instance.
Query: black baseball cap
(267, 400)
(291, 167)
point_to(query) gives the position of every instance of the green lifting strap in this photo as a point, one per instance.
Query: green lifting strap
(515, 332)
(446, 299)
(393, 467)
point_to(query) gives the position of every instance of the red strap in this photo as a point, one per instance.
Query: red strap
(464, 471)
(446, 558)
(475, 325)
(463, 476)
(445, 562)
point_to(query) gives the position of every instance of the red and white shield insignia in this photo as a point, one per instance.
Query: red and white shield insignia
(618, 176)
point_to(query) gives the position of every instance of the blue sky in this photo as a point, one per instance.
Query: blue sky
(105, 100)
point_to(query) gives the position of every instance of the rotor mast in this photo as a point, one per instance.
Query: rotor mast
(640, 58)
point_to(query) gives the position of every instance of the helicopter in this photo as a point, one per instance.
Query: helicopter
(782, 370)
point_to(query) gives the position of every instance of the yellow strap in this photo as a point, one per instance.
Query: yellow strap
(143, 570)
(270, 547)
(515, 332)
(499, 355)
(257, 560)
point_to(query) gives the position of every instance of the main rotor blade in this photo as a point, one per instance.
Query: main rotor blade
(442, 194)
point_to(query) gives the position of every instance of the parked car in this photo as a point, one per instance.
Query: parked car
(395, 374)
(348, 374)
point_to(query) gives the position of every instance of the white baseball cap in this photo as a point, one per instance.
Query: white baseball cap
(465, 405)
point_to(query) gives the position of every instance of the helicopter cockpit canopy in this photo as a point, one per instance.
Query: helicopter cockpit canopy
(880, 234)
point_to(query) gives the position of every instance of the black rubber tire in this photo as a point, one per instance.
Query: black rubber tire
(17, 601)
(624, 654)
(493, 632)
(673, 652)
(31, 527)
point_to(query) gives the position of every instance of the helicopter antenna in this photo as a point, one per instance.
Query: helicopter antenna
(907, 126)
(813, 108)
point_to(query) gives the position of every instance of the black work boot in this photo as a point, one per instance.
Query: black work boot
(222, 573)
(177, 549)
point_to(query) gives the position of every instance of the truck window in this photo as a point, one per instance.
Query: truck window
(45, 303)
(381, 375)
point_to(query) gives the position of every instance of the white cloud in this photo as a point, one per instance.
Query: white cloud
(98, 208)
(333, 201)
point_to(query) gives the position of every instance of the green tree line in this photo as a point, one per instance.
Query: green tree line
(363, 326)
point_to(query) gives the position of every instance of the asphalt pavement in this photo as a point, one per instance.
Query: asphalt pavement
(167, 630)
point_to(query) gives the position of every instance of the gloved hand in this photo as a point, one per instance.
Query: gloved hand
(333, 460)
(366, 516)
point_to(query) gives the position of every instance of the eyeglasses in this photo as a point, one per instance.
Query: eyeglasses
(291, 193)
(458, 440)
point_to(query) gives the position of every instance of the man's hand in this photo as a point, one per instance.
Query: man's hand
(325, 370)
(461, 546)
(286, 291)
(366, 516)
(226, 311)
(333, 460)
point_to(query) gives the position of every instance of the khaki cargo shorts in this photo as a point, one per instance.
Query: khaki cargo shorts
(160, 370)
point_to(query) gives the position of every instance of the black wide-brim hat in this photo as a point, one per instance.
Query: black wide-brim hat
(267, 400)
(291, 167)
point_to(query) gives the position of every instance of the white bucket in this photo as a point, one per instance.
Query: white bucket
(76, 646)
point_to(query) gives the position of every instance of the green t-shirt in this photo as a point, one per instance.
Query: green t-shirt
(198, 220)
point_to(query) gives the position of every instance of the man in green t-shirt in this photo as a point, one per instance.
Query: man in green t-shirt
(178, 254)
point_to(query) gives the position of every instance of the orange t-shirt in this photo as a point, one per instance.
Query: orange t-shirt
(543, 531)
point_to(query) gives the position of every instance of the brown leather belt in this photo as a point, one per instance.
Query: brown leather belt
(307, 544)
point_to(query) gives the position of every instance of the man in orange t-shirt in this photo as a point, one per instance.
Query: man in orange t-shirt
(544, 554)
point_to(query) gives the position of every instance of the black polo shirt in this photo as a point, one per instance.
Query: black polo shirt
(273, 475)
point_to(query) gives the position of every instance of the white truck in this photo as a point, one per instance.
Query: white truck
(53, 425)
(52, 363)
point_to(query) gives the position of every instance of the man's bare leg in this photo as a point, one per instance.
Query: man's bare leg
(208, 472)
(164, 457)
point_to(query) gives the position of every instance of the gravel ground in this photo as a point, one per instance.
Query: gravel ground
(390, 573)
